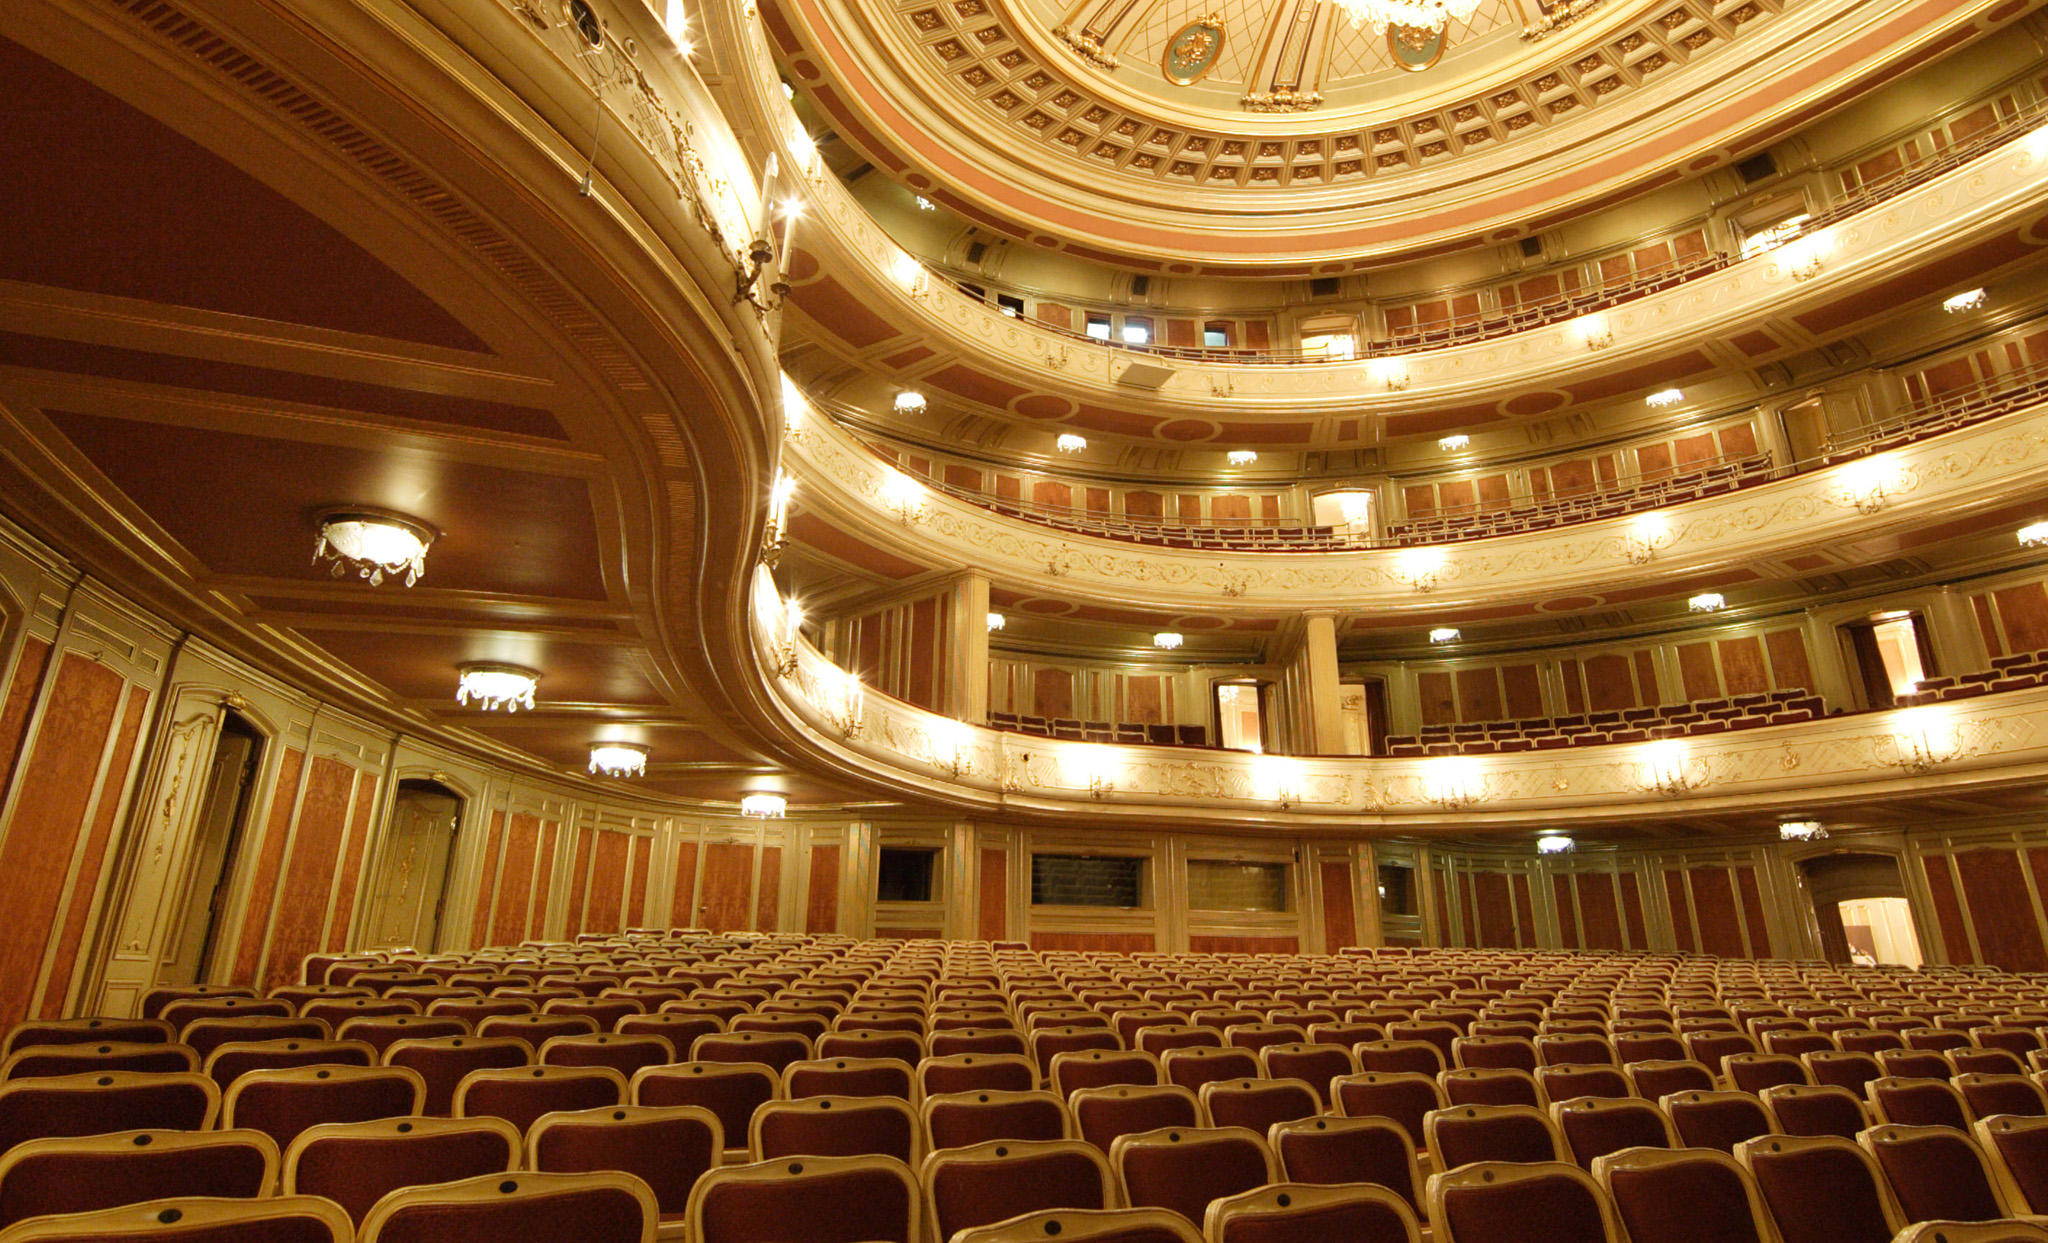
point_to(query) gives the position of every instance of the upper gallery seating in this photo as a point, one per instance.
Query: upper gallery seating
(746, 1089)
(1101, 731)
(2015, 672)
(1703, 716)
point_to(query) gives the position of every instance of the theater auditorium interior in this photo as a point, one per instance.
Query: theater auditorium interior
(998, 621)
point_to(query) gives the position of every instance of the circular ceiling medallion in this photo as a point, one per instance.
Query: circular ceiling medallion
(1043, 406)
(1046, 608)
(1193, 50)
(1181, 269)
(1505, 235)
(1570, 604)
(1543, 402)
(918, 181)
(1330, 267)
(803, 265)
(1040, 239)
(805, 68)
(1199, 623)
(1703, 163)
(1189, 429)
(1416, 48)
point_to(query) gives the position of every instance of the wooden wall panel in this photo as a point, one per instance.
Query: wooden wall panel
(1439, 701)
(1789, 666)
(1646, 678)
(2024, 610)
(1470, 939)
(1696, 671)
(2008, 935)
(1609, 684)
(93, 863)
(544, 878)
(682, 912)
(515, 881)
(728, 886)
(1340, 915)
(487, 881)
(1478, 695)
(768, 907)
(1742, 666)
(1713, 899)
(350, 877)
(636, 886)
(821, 910)
(1443, 906)
(21, 701)
(1200, 944)
(276, 831)
(1524, 691)
(607, 881)
(1567, 919)
(1496, 910)
(50, 808)
(579, 882)
(1753, 916)
(1681, 910)
(1525, 911)
(1632, 911)
(1948, 911)
(992, 921)
(1597, 912)
(1107, 942)
(302, 898)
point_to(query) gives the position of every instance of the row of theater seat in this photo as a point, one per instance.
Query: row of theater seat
(1101, 731)
(1697, 717)
(2018, 671)
(1591, 505)
(1068, 1040)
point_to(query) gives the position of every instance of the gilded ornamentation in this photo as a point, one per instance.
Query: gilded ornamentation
(1193, 51)
(1086, 47)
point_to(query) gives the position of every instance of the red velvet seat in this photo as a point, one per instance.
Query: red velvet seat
(81, 1174)
(605, 1207)
(355, 1164)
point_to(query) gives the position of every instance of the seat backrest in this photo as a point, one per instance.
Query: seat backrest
(665, 1146)
(96, 1104)
(991, 1182)
(1490, 1052)
(1656, 1080)
(1937, 1172)
(1753, 1072)
(822, 1199)
(604, 1207)
(1407, 1099)
(80, 1174)
(2017, 1149)
(1593, 1126)
(1496, 1133)
(848, 1076)
(1918, 1102)
(51, 1061)
(969, 1072)
(2017, 1095)
(1122, 1225)
(623, 1053)
(1303, 1213)
(1315, 1064)
(777, 1049)
(733, 1091)
(90, 1029)
(1501, 1202)
(1194, 1066)
(521, 1094)
(197, 1219)
(1821, 1189)
(356, 1164)
(1499, 1085)
(836, 1126)
(1974, 1232)
(1102, 1115)
(1718, 1120)
(1688, 1196)
(281, 1103)
(1097, 1068)
(1564, 1083)
(1184, 1168)
(1348, 1150)
(1823, 1110)
(1399, 1057)
(963, 1119)
(229, 1062)
(1256, 1104)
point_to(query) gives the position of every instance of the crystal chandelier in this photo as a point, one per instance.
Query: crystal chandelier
(764, 806)
(1415, 14)
(497, 687)
(618, 759)
(374, 545)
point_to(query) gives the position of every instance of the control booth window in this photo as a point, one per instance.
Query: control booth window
(1087, 880)
(904, 875)
(1230, 885)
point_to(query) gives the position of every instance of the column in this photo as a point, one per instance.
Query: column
(966, 696)
(1325, 714)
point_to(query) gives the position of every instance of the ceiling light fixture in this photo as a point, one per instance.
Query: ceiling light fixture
(1802, 831)
(1415, 14)
(1243, 457)
(1070, 443)
(1707, 602)
(925, 204)
(1967, 301)
(764, 806)
(1446, 634)
(1555, 844)
(373, 545)
(1166, 639)
(496, 688)
(1665, 397)
(1451, 444)
(910, 401)
(2034, 534)
(996, 621)
(618, 759)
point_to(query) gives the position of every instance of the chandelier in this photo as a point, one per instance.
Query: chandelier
(1415, 14)
(505, 688)
(618, 759)
(374, 546)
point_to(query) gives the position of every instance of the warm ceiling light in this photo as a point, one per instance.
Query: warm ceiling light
(1451, 444)
(1969, 301)
(373, 545)
(1802, 831)
(1416, 14)
(1665, 397)
(1445, 634)
(618, 759)
(1707, 602)
(2035, 534)
(910, 401)
(495, 688)
(996, 621)
(925, 204)
(1166, 639)
(1070, 443)
(1555, 844)
(764, 806)
(1243, 457)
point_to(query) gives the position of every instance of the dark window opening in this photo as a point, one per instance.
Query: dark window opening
(1086, 880)
(905, 875)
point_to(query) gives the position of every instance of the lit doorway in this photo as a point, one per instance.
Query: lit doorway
(1240, 724)
(412, 877)
(1860, 908)
(223, 814)
(1880, 930)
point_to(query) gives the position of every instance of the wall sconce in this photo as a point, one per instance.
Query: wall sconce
(951, 751)
(792, 629)
(1419, 568)
(1866, 485)
(1803, 258)
(1392, 372)
(911, 274)
(1643, 538)
(1278, 780)
(1594, 332)
(1455, 783)
(1669, 770)
(1925, 738)
(902, 497)
(1097, 764)
(849, 714)
(776, 535)
(996, 621)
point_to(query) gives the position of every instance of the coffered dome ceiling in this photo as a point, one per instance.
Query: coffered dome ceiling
(1212, 135)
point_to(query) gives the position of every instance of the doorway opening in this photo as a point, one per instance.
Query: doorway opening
(1240, 721)
(1880, 932)
(412, 877)
(1861, 909)
(209, 877)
